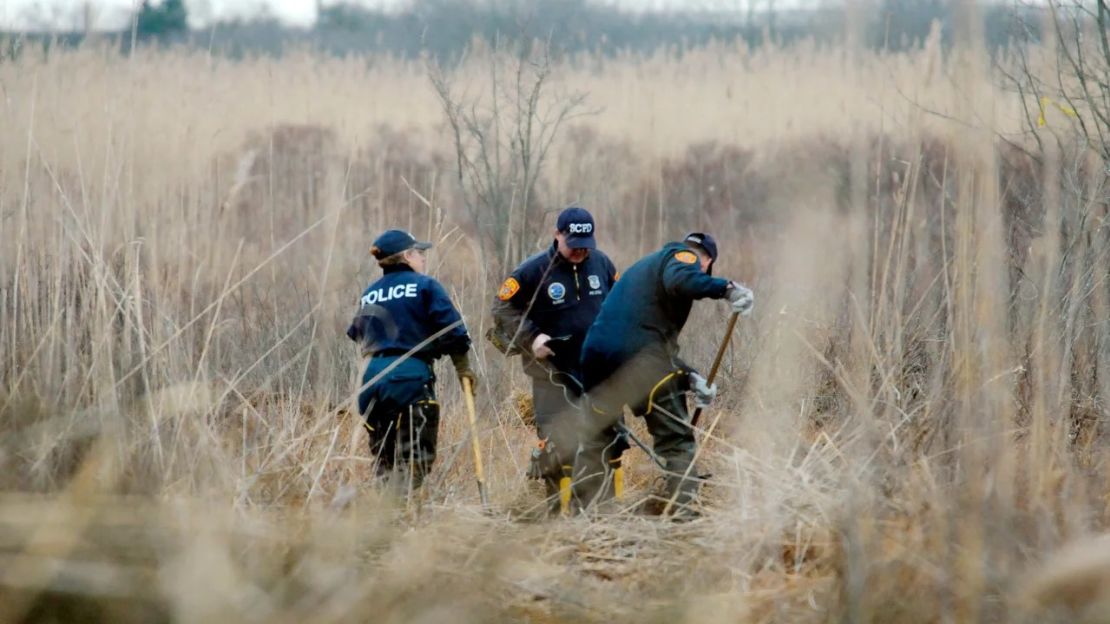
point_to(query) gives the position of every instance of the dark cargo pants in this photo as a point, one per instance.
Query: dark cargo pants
(653, 388)
(557, 421)
(402, 417)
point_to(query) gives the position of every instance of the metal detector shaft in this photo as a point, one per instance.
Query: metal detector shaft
(468, 392)
(621, 427)
(717, 361)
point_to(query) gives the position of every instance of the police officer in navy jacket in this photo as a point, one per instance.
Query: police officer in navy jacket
(630, 357)
(405, 321)
(542, 311)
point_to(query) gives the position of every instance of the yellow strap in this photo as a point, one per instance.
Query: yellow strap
(564, 495)
(618, 483)
(651, 397)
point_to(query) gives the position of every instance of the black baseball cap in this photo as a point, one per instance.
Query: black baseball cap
(394, 242)
(706, 242)
(578, 225)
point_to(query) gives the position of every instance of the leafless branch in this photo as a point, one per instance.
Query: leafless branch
(501, 138)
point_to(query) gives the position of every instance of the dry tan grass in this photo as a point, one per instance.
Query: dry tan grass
(898, 439)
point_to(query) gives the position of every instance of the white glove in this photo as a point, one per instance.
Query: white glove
(704, 392)
(540, 348)
(741, 298)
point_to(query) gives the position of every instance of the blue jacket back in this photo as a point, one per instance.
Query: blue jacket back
(647, 307)
(401, 310)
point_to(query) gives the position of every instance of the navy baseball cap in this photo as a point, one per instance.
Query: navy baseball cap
(394, 242)
(706, 242)
(578, 225)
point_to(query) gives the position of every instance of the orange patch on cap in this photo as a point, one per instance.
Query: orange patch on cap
(508, 289)
(686, 257)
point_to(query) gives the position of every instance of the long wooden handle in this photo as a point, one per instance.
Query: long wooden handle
(717, 361)
(468, 392)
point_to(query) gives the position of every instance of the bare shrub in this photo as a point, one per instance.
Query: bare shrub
(501, 137)
(911, 422)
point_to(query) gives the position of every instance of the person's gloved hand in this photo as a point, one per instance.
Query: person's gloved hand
(540, 348)
(464, 371)
(741, 298)
(704, 392)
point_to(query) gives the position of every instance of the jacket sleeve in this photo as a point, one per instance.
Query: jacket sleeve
(686, 279)
(361, 329)
(611, 273)
(441, 313)
(510, 310)
(356, 330)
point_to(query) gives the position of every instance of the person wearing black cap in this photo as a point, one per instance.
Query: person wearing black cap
(542, 311)
(404, 322)
(630, 357)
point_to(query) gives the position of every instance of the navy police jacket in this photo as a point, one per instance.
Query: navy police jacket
(401, 310)
(648, 307)
(546, 294)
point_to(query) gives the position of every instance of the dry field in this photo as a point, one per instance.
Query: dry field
(910, 427)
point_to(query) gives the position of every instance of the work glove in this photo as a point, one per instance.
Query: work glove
(704, 392)
(741, 298)
(464, 371)
(540, 348)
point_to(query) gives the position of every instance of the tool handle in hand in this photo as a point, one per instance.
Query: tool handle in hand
(724, 346)
(717, 361)
(468, 392)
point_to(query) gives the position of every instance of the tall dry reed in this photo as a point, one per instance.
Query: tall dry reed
(910, 425)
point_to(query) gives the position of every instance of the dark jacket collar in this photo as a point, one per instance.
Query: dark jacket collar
(553, 252)
(397, 268)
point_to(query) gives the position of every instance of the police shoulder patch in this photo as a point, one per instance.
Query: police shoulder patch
(686, 257)
(508, 289)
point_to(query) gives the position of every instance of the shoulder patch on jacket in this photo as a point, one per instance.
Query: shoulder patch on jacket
(508, 289)
(686, 257)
